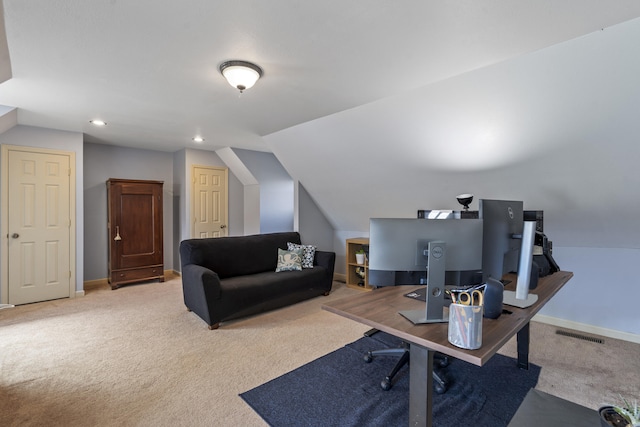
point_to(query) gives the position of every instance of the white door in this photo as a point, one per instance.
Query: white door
(39, 222)
(209, 202)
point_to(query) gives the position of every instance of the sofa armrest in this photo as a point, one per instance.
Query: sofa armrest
(327, 260)
(199, 285)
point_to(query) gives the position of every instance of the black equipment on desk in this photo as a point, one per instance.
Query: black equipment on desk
(544, 247)
(543, 256)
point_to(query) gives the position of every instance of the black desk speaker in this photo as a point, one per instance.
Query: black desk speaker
(493, 293)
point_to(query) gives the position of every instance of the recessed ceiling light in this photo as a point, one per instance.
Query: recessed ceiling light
(198, 139)
(98, 122)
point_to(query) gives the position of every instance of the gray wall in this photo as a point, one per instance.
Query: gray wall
(313, 225)
(102, 162)
(95, 163)
(557, 128)
(179, 212)
(276, 190)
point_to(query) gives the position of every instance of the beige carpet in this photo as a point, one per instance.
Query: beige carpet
(136, 357)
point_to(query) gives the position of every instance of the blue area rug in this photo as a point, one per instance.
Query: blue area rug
(340, 389)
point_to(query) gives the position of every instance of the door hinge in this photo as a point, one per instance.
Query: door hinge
(69, 274)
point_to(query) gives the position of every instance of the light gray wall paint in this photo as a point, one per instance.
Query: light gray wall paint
(603, 291)
(102, 162)
(276, 190)
(313, 225)
(5, 58)
(57, 140)
(180, 221)
(8, 118)
(557, 128)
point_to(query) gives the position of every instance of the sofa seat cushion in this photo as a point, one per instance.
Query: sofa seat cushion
(242, 294)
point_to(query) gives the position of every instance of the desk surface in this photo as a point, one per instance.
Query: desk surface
(379, 309)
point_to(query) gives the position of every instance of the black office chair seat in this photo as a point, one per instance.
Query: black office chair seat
(439, 384)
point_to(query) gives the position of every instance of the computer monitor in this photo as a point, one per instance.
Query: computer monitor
(397, 245)
(508, 247)
(402, 250)
(502, 236)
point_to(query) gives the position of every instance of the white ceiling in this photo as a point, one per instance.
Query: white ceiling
(150, 68)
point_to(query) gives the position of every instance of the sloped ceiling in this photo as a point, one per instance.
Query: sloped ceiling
(150, 68)
(557, 128)
(378, 108)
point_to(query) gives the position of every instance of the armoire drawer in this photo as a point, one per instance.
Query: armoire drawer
(119, 277)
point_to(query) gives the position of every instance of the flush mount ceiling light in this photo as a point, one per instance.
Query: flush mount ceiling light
(198, 139)
(241, 74)
(98, 122)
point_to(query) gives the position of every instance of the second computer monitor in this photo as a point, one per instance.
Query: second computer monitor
(503, 223)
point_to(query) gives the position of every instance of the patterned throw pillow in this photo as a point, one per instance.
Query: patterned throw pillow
(289, 260)
(308, 253)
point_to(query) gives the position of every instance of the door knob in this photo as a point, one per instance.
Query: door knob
(223, 226)
(15, 235)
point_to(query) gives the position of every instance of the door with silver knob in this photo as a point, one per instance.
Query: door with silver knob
(39, 223)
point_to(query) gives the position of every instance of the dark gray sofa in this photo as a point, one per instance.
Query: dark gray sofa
(230, 277)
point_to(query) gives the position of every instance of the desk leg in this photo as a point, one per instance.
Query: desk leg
(523, 347)
(420, 386)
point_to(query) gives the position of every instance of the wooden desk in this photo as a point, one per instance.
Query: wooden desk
(379, 309)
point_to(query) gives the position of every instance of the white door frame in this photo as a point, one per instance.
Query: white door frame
(4, 225)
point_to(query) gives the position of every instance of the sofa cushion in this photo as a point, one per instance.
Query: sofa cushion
(308, 254)
(243, 295)
(289, 260)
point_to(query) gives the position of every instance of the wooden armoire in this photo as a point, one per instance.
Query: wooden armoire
(134, 223)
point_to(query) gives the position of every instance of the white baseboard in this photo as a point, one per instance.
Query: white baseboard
(590, 329)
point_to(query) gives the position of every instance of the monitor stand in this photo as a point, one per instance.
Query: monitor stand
(509, 298)
(521, 297)
(434, 306)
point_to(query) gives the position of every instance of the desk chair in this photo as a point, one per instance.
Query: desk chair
(439, 385)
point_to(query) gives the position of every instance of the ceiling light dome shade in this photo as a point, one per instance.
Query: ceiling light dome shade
(241, 74)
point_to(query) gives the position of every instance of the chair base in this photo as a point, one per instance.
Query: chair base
(439, 384)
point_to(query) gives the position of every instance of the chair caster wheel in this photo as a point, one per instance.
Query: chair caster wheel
(439, 388)
(386, 384)
(444, 362)
(368, 358)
